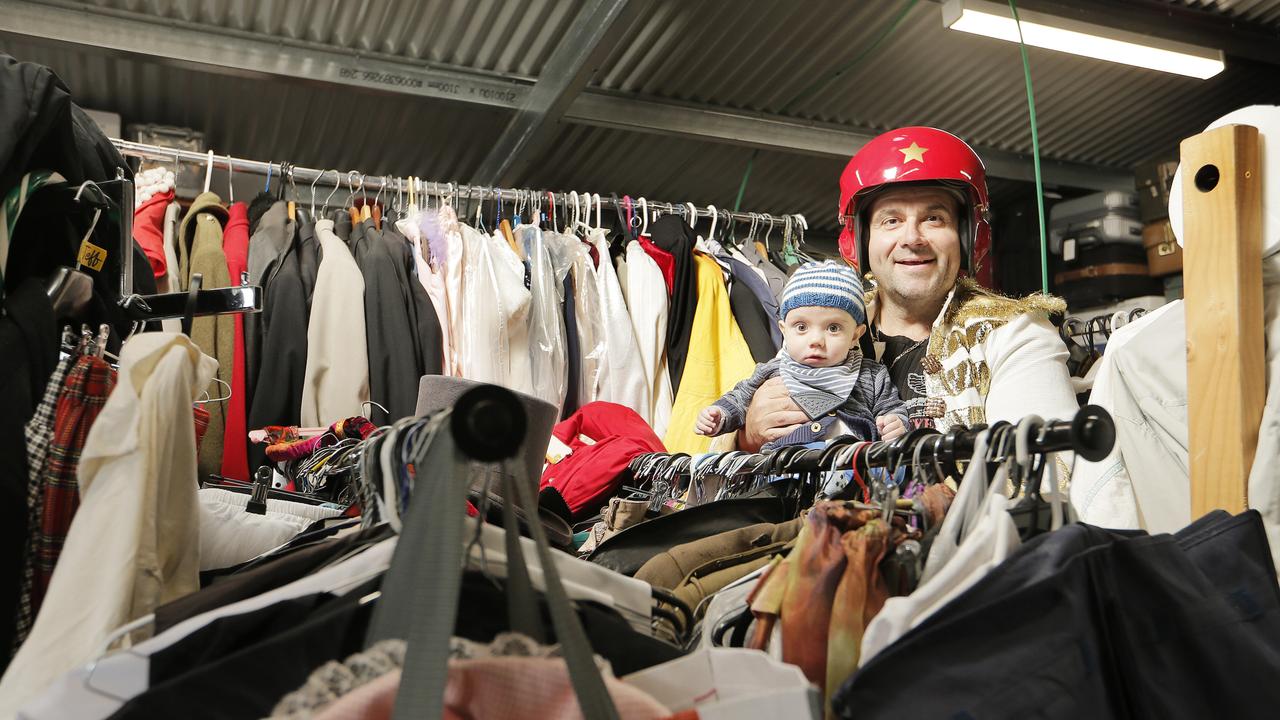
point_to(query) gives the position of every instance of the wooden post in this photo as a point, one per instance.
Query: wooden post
(1222, 274)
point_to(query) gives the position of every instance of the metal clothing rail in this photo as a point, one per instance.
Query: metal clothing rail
(1090, 434)
(375, 183)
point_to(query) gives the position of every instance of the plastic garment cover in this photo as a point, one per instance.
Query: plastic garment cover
(587, 308)
(624, 380)
(513, 304)
(546, 321)
(483, 350)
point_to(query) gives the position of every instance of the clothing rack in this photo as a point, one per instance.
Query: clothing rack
(1090, 434)
(312, 176)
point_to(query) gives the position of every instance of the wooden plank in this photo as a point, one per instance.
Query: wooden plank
(1226, 384)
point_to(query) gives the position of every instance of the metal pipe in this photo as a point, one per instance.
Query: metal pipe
(145, 151)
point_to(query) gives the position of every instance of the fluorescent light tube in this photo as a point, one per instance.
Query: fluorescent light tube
(1077, 38)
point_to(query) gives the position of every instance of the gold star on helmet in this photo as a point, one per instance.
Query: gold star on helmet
(914, 152)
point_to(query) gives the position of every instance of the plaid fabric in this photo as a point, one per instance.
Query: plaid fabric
(88, 384)
(39, 432)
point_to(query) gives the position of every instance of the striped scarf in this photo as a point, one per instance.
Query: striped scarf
(819, 390)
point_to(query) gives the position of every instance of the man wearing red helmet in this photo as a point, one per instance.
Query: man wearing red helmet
(914, 211)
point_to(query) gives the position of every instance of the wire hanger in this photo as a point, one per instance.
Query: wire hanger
(224, 398)
(231, 186)
(208, 171)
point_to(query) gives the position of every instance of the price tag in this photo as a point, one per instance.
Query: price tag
(1069, 249)
(91, 256)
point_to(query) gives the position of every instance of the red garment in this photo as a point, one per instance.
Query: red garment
(84, 393)
(235, 443)
(148, 230)
(666, 261)
(593, 473)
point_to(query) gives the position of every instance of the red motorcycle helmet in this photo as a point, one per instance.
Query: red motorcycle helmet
(926, 156)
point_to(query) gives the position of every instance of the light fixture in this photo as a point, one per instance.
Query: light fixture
(1079, 38)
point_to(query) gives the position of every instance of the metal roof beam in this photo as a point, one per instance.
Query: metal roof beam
(246, 54)
(586, 44)
(771, 132)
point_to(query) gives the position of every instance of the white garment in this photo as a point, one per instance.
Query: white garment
(336, 381)
(495, 314)
(548, 353)
(646, 296)
(624, 381)
(989, 536)
(1028, 363)
(569, 251)
(169, 283)
(453, 284)
(229, 535)
(1146, 397)
(1145, 482)
(134, 542)
(124, 675)
(431, 278)
(513, 305)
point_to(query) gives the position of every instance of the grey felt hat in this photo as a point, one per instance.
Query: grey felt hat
(437, 392)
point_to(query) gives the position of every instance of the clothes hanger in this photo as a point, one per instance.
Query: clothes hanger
(366, 211)
(208, 171)
(337, 183)
(224, 398)
(644, 216)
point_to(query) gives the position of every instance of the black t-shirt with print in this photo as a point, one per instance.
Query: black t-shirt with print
(903, 357)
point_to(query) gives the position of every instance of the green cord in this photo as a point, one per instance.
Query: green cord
(1035, 153)
(820, 82)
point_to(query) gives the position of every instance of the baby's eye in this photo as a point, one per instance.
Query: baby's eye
(833, 328)
(800, 327)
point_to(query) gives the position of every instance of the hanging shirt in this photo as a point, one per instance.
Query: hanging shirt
(390, 319)
(513, 303)
(673, 235)
(666, 261)
(647, 307)
(484, 354)
(624, 381)
(202, 234)
(455, 259)
(336, 381)
(416, 227)
(718, 359)
(235, 453)
(547, 353)
(135, 541)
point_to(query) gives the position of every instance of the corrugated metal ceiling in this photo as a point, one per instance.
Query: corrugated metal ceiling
(751, 55)
(1263, 12)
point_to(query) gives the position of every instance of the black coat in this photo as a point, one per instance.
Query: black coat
(394, 326)
(29, 337)
(673, 234)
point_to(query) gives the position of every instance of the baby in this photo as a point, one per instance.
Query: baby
(823, 316)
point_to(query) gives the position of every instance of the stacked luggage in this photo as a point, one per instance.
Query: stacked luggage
(1116, 245)
(1099, 241)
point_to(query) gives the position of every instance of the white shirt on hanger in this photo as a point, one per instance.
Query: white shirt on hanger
(134, 544)
(336, 381)
(513, 305)
(646, 296)
(626, 381)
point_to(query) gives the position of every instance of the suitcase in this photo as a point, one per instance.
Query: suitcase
(1153, 180)
(1164, 255)
(1109, 217)
(1105, 274)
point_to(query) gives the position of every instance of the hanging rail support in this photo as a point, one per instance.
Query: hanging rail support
(1226, 384)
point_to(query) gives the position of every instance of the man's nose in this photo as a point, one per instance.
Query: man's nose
(912, 235)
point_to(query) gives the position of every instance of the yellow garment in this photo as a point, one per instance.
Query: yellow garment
(718, 359)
